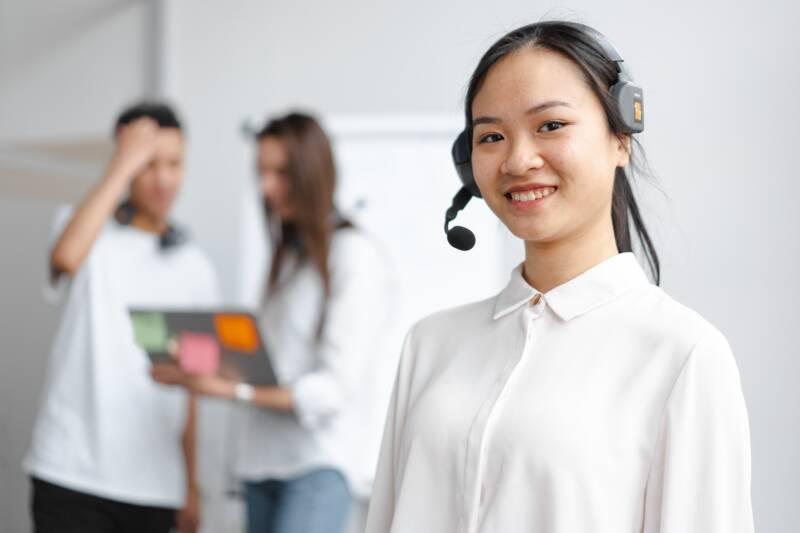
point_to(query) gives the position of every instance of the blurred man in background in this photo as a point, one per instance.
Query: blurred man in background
(112, 451)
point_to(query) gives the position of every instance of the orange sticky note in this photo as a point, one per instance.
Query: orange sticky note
(236, 332)
(198, 353)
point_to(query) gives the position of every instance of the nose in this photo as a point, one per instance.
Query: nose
(162, 174)
(268, 184)
(162, 179)
(522, 157)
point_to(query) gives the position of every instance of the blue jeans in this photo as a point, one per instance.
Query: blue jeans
(317, 502)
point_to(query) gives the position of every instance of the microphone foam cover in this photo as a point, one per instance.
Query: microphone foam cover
(461, 238)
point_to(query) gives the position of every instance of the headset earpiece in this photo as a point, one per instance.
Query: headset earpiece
(462, 159)
(630, 102)
(628, 96)
(172, 238)
(124, 213)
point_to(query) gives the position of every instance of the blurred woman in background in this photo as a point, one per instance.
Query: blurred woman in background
(303, 448)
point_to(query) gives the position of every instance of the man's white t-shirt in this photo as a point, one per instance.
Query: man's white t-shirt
(105, 427)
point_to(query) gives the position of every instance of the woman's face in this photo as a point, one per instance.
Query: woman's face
(542, 152)
(275, 181)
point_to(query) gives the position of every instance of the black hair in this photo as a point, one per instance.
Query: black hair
(578, 44)
(160, 112)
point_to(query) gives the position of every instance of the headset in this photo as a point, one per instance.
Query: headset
(170, 239)
(628, 97)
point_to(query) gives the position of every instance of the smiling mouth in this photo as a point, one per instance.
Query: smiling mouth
(532, 195)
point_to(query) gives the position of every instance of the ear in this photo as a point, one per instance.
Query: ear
(622, 145)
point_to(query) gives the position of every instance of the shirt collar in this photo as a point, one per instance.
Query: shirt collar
(597, 286)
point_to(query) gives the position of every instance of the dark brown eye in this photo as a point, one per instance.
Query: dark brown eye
(551, 125)
(490, 138)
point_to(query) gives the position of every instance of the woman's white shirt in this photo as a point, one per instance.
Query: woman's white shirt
(334, 378)
(600, 406)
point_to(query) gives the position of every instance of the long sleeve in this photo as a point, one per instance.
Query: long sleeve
(383, 499)
(699, 479)
(355, 319)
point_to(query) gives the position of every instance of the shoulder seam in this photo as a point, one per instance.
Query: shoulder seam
(703, 336)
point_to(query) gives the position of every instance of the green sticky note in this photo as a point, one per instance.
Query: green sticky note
(150, 331)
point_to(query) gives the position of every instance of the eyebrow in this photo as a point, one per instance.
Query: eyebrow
(532, 111)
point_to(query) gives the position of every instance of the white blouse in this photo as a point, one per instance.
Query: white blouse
(340, 381)
(600, 406)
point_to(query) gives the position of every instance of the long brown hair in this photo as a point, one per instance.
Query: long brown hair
(312, 176)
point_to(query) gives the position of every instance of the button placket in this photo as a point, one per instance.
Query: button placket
(475, 495)
(475, 441)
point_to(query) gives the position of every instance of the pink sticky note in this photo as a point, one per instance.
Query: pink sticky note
(198, 353)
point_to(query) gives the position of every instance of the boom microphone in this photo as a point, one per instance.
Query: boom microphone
(459, 237)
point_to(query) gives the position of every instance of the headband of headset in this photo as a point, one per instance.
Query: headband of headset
(171, 238)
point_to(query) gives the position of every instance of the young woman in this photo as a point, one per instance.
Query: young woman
(302, 446)
(582, 398)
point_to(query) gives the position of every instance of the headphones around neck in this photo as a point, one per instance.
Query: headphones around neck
(170, 239)
(628, 97)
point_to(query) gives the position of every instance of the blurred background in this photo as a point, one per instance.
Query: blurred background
(388, 81)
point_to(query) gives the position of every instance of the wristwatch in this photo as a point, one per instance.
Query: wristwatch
(244, 392)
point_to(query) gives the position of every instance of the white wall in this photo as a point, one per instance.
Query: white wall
(65, 70)
(67, 67)
(26, 324)
(722, 118)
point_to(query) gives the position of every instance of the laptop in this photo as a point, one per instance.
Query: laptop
(225, 342)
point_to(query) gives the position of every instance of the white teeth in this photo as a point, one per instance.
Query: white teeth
(529, 196)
